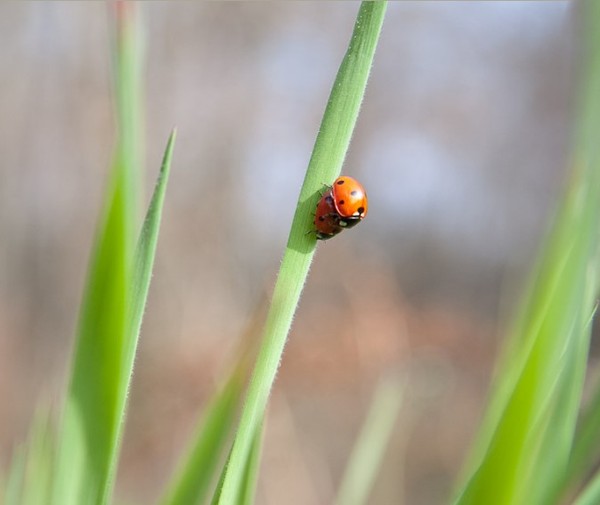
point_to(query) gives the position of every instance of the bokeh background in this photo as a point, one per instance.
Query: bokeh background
(461, 143)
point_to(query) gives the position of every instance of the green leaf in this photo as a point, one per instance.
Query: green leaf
(586, 443)
(145, 253)
(523, 449)
(107, 339)
(192, 480)
(250, 478)
(110, 317)
(325, 164)
(591, 494)
(113, 302)
(93, 412)
(92, 415)
(128, 93)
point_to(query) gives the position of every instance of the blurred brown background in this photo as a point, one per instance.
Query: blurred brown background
(461, 145)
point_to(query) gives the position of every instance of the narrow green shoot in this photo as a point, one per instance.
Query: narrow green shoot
(211, 442)
(591, 493)
(93, 413)
(88, 439)
(145, 254)
(586, 444)
(250, 478)
(106, 344)
(113, 303)
(192, 481)
(128, 92)
(371, 445)
(325, 164)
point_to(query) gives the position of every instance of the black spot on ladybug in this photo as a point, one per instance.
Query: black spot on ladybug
(339, 183)
(360, 210)
(353, 192)
(321, 218)
(341, 202)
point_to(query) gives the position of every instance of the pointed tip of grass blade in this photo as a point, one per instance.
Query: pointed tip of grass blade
(166, 163)
(146, 247)
(113, 279)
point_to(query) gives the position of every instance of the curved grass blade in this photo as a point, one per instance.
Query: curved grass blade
(89, 434)
(192, 480)
(92, 414)
(591, 494)
(325, 164)
(103, 365)
(586, 443)
(212, 440)
(113, 305)
(371, 444)
(250, 478)
(523, 449)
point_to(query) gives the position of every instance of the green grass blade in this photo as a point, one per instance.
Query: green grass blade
(250, 478)
(219, 486)
(586, 444)
(145, 253)
(93, 413)
(111, 320)
(192, 480)
(371, 444)
(212, 440)
(523, 449)
(325, 164)
(587, 440)
(127, 70)
(591, 493)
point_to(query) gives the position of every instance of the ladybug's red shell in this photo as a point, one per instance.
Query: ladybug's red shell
(349, 198)
(343, 206)
(326, 218)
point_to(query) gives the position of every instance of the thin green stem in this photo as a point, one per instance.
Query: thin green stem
(325, 164)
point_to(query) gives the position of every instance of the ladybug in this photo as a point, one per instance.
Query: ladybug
(350, 200)
(343, 206)
(327, 219)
